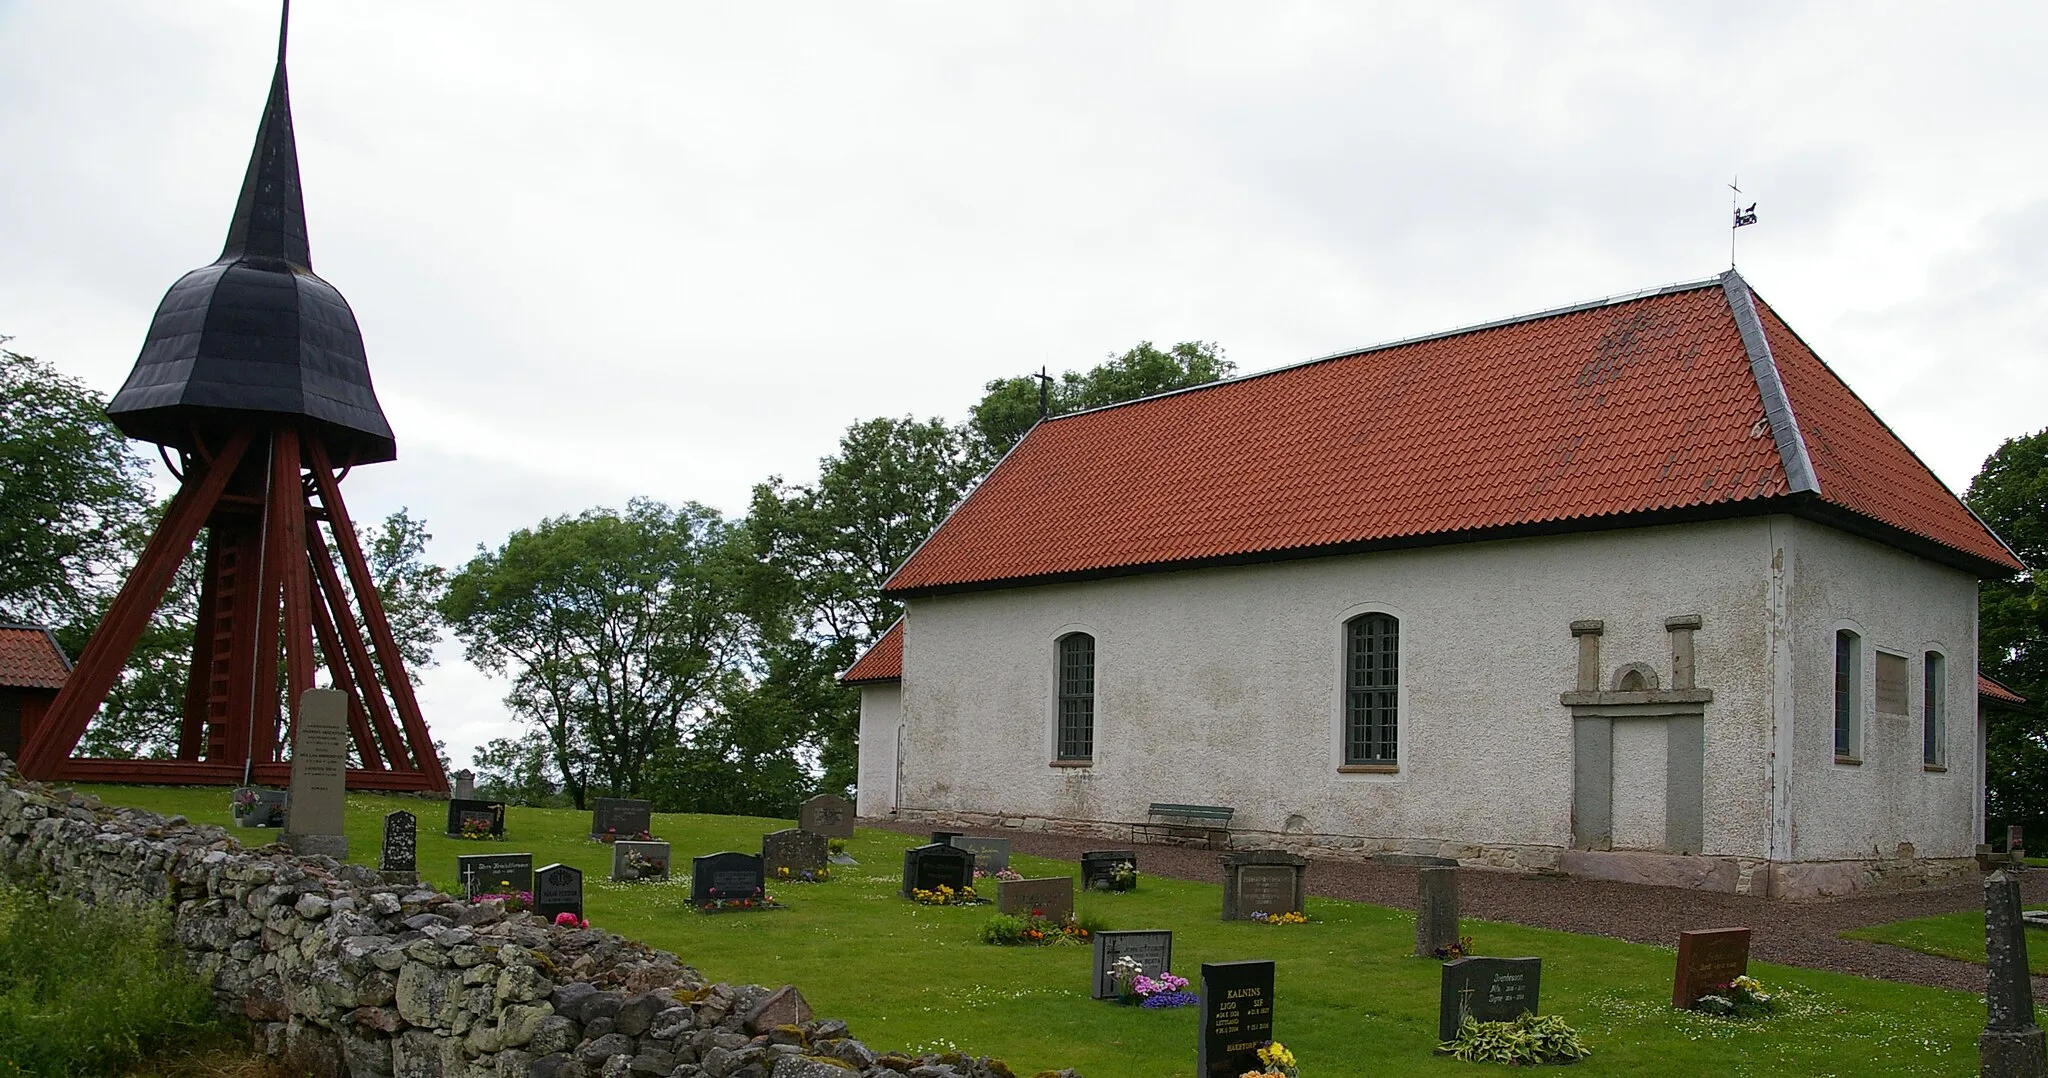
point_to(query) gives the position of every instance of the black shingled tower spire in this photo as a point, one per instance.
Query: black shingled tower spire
(257, 331)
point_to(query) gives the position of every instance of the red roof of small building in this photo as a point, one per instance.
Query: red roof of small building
(1622, 411)
(1992, 690)
(31, 659)
(882, 661)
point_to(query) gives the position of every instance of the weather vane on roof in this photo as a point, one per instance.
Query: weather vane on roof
(1743, 216)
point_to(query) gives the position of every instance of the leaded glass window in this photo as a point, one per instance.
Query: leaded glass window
(1372, 688)
(1077, 696)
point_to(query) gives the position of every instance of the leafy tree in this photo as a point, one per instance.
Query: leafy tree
(74, 500)
(614, 629)
(1010, 406)
(516, 770)
(2011, 494)
(409, 585)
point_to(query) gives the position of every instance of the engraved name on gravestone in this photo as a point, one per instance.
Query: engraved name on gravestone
(1152, 949)
(485, 817)
(991, 855)
(795, 849)
(1237, 1017)
(621, 816)
(494, 873)
(1262, 881)
(1487, 990)
(633, 860)
(1098, 867)
(1051, 897)
(927, 868)
(826, 814)
(319, 775)
(558, 889)
(1707, 959)
(726, 877)
(401, 849)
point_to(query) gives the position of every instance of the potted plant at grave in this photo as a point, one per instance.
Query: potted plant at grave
(611, 835)
(639, 866)
(245, 804)
(1743, 997)
(1124, 877)
(1275, 1061)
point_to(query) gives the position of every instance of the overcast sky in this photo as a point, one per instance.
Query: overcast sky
(665, 249)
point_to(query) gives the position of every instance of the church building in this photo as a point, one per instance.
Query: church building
(1636, 589)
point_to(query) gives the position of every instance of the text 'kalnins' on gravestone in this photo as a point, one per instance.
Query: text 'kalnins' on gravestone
(1237, 1017)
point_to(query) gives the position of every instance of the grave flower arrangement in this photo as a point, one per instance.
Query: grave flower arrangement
(565, 919)
(1134, 988)
(1001, 875)
(1527, 1040)
(244, 802)
(1743, 997)
(1035, 929)
(515, 901)
(1460, 949)
(1288, 918)
(820, 874)
(722, 902)
(644, 866)
(946, 895)
(475, 830)
(611, 835)
(1124, 877)
(1275, 1061)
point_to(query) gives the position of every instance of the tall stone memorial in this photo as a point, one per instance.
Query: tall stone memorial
(2011, 1045)
(1436, 910)
(319, 775)
(1237, 1017)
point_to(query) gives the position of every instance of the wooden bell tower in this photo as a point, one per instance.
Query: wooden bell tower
(254, 385)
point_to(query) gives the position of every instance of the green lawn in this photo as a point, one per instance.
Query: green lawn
(1950, 935)
(1349, 999)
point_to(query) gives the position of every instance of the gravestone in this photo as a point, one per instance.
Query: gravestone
(795, 849)
(494, 873)
(1052, 897)
(465, 785)
(941, 838)
(623, 852)
(401, 849)
(2011, 1043)
(268, 811)
(1436, 911)
(991, 855)
(1237, 1017)
(826, 814)
(1098, 869)
(726, 877)
(1707, 959)
(1262, 881)
(927, 868)
(1152, 949)
(558, 888)
(319, 775)
(490, 814)
(621, 816)
(1486, 990)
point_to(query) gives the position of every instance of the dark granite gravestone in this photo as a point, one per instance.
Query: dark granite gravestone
(941, 838)
(2011, 1044)
(726, 877)
(653, 855)
(926, 868)
(1707, 959)
(1051, 897)
(490, 814)
(1262, 881)
(266, 811)
(1237, 1017)
(1487, 990)
(401, 849)
(1152, 949)
(621, 816)
(991, 855)
(1098, 869)
(795, 849)
(1436, 910)
(557, 889)
(826, 814)
(494, 873)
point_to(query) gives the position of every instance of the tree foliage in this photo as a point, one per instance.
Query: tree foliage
(2011, 494)
(1010, 406)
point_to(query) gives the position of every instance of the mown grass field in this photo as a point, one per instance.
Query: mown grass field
(1950, 935)
(1349, 999)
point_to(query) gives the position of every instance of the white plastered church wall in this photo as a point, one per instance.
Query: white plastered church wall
(881, 710)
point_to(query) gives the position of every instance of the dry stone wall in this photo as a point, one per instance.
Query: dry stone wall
(342, 973)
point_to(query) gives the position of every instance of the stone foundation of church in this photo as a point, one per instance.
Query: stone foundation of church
(1795, 880)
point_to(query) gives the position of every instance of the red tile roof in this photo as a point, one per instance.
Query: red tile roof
(31, 659)
(882, 661)
(1992, 690)
(1573, 419)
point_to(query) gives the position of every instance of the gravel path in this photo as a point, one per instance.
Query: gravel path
(1788, 933)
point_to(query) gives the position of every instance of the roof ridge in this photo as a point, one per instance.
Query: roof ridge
(1763, 367)
(1399, 342)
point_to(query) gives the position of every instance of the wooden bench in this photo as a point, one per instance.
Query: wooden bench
(1209, 824)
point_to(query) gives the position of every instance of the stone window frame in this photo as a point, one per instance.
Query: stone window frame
(1849, 699)
(1055, 726)
(1933, 708)
(1339, 681)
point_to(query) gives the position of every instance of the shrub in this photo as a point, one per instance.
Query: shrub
(89, 990)
(1526, 1040)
